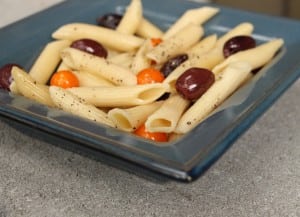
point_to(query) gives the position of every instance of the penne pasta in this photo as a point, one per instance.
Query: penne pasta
(229, 80)
(121, 96)
(202, 47)
(48, 61)
(131, 118)
(147, 30)
(196, 16)
(107, 37)
(140, 61)
(13, 88)
(256, 57)
(62, 66)
(111, 53)
(123, 59)
(176, 44)
(87, 79)
(68, 102)
(29, 88)
(83, 61)
(132, 18)
(166, 117)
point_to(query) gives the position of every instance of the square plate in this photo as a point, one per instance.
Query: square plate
(189, 156)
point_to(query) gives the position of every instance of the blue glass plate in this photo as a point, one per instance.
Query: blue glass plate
(189, 156)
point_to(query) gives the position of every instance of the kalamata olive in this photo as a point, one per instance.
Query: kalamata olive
(173, 63)
(238, 43)
(5, 75)
(90, 46)
(194, 82)
(109, 20)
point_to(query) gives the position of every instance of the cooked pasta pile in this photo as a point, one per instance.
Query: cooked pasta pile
(109, 92)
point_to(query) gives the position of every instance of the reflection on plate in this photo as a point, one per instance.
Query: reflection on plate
(189, 156)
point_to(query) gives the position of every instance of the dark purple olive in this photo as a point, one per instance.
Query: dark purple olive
(194, 82)
(90, 46)
(110, 20)
(173, 63)
(5, 75)
(238, 43)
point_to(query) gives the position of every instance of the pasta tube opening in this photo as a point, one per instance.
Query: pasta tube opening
(161, 122)
(122, 120)
(151, 94)
(132, 118)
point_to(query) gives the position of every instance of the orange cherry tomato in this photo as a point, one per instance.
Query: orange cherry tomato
(155, 41)
(155, 136)
(150, 75)
(64, 79)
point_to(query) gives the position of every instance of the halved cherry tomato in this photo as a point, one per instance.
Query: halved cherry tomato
(64, 79)
(149, 75)
(155, 136)
(155, 41)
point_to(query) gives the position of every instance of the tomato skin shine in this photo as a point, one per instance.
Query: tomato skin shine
(155, 136)
(64, 79)
(149, 75)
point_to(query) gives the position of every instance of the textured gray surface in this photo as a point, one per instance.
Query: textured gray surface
(258, 176)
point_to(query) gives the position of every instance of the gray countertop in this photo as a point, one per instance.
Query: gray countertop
(258, 176)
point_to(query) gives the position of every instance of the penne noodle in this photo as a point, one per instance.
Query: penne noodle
(229, 80)
(47, 61)
(140, 61)
(29, 88)
(132, 18)
(107, 37)
(62, 66)
(87, 79)
(123, 59)
(68, 102)
(111, 53)
(202, 47)
(147, 30)
(176, 44)
(13, 88)
(196, 16)
(256, 57)
(121, 96)
(83, 61)
(131, 118)
(166, 117)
